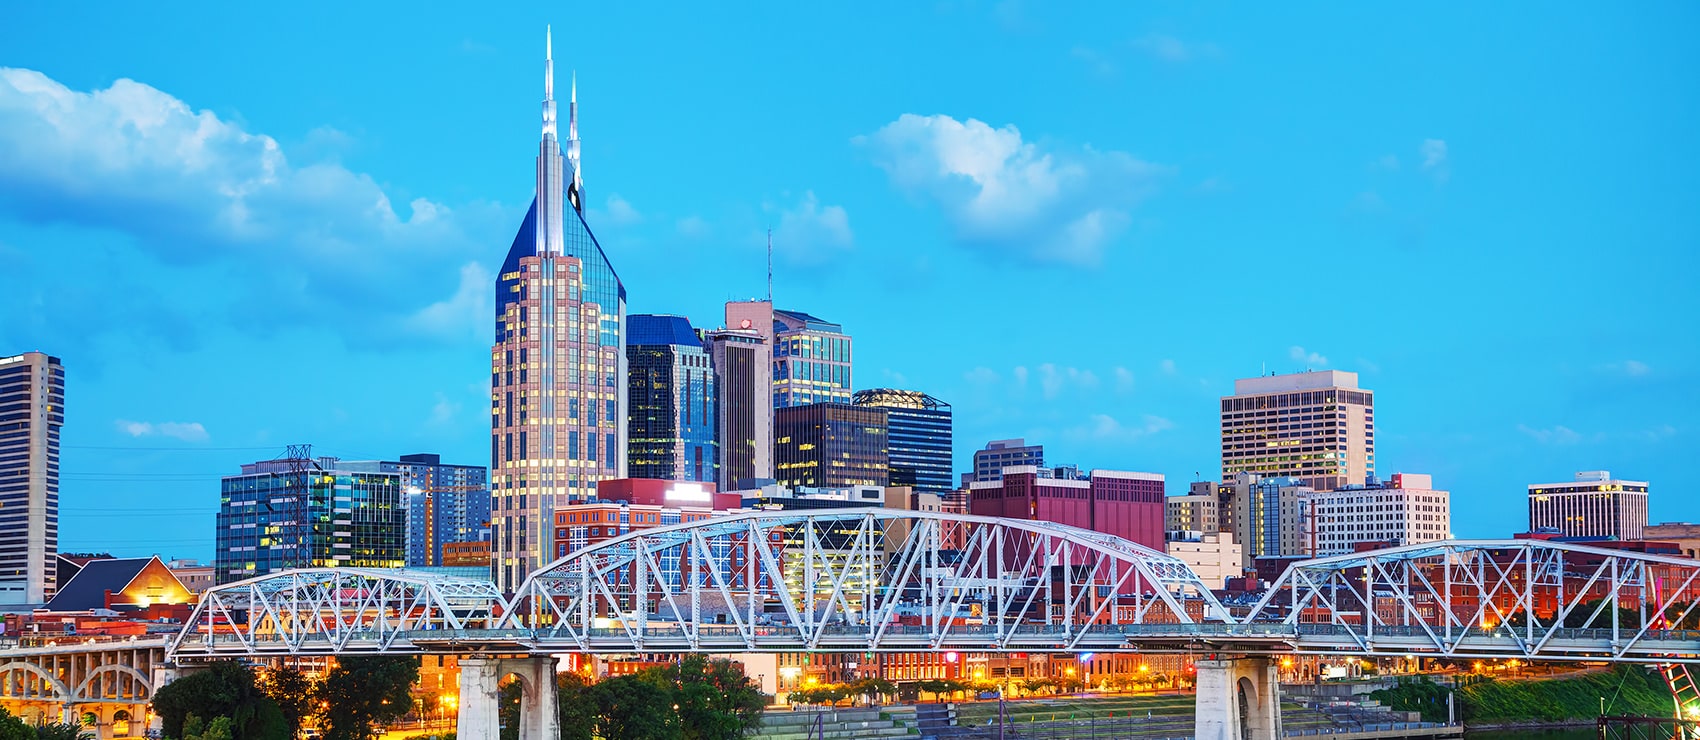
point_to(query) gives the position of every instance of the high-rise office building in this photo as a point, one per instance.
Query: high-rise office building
(831, 445)
(1196, 512)
(743, 381)
(1593, 505)
(919, 444)
(1126, 504)
(302, 512)
(32, 410)
(558, 368)
(1404, 511)
(1004, 453)
(811, 360)
(445, 504)
(670, 426)
(1318, 427)
(1267, 517)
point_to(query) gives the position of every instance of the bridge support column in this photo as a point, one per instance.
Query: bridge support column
(539, 710)
(1238, 699)
(480, 682)
(477, 719)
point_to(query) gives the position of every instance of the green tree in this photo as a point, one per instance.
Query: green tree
(635, 707)
(1584, 616)
(62, 731)
(292, 691)
(13, 727)
(218, 729)
(507, 709)
(577, 708)
(716, 700)
(366, 689)
(222, 689)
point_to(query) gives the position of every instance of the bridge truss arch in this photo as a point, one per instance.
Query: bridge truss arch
(336, 610)
(858, 579)
(1529, 599)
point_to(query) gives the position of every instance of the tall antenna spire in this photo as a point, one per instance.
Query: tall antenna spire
(548, 81)
(770, 264)
(572, 145)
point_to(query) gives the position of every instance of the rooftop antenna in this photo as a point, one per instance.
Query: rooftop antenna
(770, 264)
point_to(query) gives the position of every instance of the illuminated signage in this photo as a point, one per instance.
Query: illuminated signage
(692, 492)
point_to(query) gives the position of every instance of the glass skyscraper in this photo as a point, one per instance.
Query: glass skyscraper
(811, 360)
(830, 445)
(670, 430)
(919, 438)
(32, 410)
(444, 503)
(558, 367)
(300, 512)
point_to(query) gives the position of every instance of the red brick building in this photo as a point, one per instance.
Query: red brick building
(1128, 505)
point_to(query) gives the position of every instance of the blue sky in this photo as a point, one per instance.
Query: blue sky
(245, 227)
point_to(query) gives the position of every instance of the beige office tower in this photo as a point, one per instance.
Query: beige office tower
(32, 409)
(1318, 427)
(743, 383)
(1195, 512)
(558, 384)
(1593, 505)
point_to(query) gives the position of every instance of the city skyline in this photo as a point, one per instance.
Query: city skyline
(1441, 246)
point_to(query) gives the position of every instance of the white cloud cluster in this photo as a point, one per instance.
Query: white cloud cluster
(810, 233)
(1106, 428)
(1557, 435)
(1434, 159)
(1311, 359)
(1170, 49)
(1003, 193)
(192, 188)
(188, 431)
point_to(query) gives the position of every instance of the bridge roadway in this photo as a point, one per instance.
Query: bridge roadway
(1661, 646)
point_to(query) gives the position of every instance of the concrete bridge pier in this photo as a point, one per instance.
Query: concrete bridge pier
(1238, 699)
(480, 685)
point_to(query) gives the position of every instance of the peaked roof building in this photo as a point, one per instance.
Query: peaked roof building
(119, 584)
(558, 367)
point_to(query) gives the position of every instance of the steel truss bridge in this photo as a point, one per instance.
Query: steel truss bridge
(883, 580)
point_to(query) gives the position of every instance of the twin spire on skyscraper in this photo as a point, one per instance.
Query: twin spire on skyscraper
(576, 188)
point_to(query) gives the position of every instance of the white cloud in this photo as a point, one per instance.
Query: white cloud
(1168, 367)
(1311, 359)
(1434, 158)
(810, 233)
(1099, 64)
(1020, 375)
(1558, 435)
(188, 431)
(1004, 194)
(981, 376)
(1634, 368)
(1105, 428)
(1171, 49)
(466, 313)
(619, 212)
(1124, 380)
(693, 227)
(195, 189)
(443, 412)
(1388, 162)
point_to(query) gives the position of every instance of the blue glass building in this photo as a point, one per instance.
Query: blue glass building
(670, 430)
(919, 438)
(811, 360)
(300, 512)
(444, 503)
